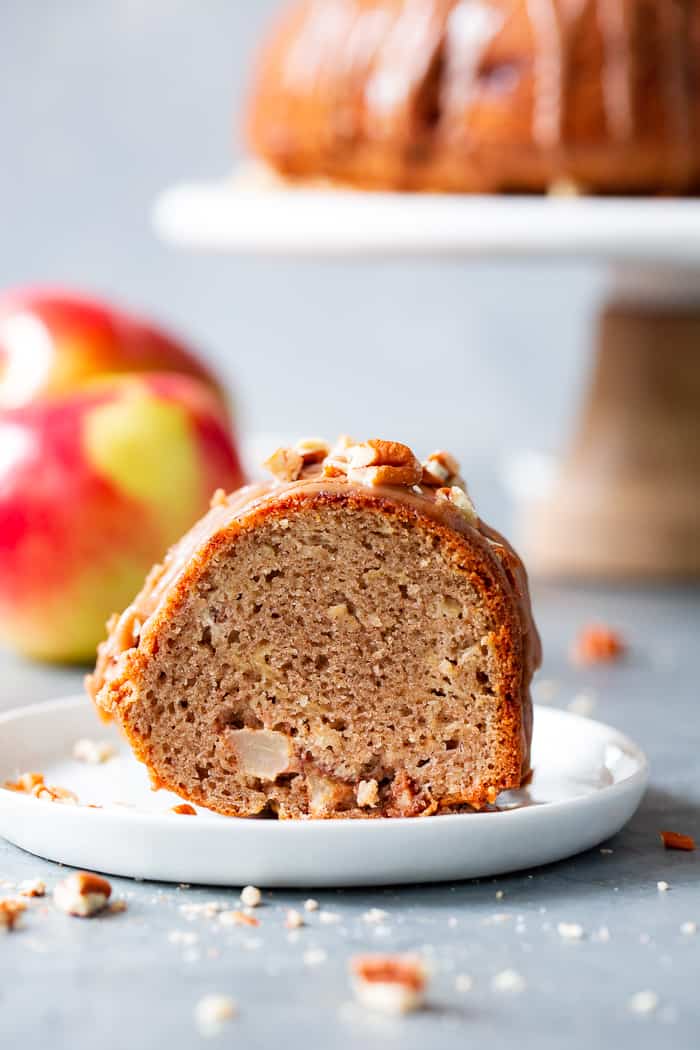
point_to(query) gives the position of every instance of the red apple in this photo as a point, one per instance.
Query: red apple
(52, 340)
(94, 486)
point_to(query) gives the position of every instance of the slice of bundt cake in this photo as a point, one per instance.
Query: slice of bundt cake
(348, 640)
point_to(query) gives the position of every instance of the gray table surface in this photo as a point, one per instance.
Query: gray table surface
(69, 984)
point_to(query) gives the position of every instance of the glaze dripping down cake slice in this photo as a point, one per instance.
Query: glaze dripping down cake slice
(347, 640)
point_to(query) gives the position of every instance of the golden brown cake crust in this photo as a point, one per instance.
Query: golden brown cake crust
(483, 95)
(484, 561)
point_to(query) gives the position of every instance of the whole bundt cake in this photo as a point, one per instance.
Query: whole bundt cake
(348, 640)
(483, 95)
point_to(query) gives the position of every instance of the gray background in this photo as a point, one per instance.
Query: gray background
(103, 104)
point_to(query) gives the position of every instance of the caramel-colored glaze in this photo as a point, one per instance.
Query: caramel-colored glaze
(483, 95)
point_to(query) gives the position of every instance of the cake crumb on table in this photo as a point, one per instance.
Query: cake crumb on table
(311, 904)
(237, 918)
(570, 931)
(662, 886)
(32, 888)
(374, 915)
(315, 956)
(212, 1012)
(329, 918)
(391, 984)
(644, 1002)
(184, 809)
(508, 981)
(293, 919)
(677, 840)
(93, 752)
(251, 896)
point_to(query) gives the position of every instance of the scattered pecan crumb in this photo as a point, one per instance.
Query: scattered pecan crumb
(237, 918)
(643, 1002)
(25, 782)
(32, 888)
(82, 894)
(185, 809)
(251, 896)
(10, 912)
(393, 984)
(52, 793)
(117, 907)
(375, 915)
(676, 840)
(315, 956)
(508, 981)
(294, 919)
(570, 931)
(597, 644)
(212, 1011)
(94, 752)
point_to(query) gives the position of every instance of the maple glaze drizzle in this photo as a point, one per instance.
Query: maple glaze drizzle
(617, 73)
(550, 73)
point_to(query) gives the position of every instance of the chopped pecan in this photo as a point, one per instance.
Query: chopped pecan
(389, 983)
(285, 464)
(184, 809)
(82, 894)
(312, 450)
(597, 644)
(378, 462)
(440, 468)
(51, 793)
(25, 783)
(676, 840)
(10, 911)
(459, 499)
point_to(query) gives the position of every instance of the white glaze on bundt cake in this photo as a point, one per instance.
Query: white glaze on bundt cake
(348, 640)
(483, 95)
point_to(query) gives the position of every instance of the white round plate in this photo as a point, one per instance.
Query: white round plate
(588, 781)
(257, 213)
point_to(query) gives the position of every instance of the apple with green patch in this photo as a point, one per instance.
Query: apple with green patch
(94, 486)
(52, 340)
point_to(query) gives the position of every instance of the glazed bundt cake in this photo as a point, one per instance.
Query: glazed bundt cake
(348, 640)
(483, 95)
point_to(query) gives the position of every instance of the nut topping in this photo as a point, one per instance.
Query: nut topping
(440, 468)
(285, 464)
(459, 498)
(378, 462)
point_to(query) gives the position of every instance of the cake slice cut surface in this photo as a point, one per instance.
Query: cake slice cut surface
(348, 640)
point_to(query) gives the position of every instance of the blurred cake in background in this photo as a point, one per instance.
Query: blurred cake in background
(483, 95)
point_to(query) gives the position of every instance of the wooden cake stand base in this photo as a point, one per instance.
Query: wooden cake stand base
(626, 501)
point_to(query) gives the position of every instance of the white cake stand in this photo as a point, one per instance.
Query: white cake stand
(625, 499)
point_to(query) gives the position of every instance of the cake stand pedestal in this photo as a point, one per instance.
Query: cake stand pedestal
(624, 500)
